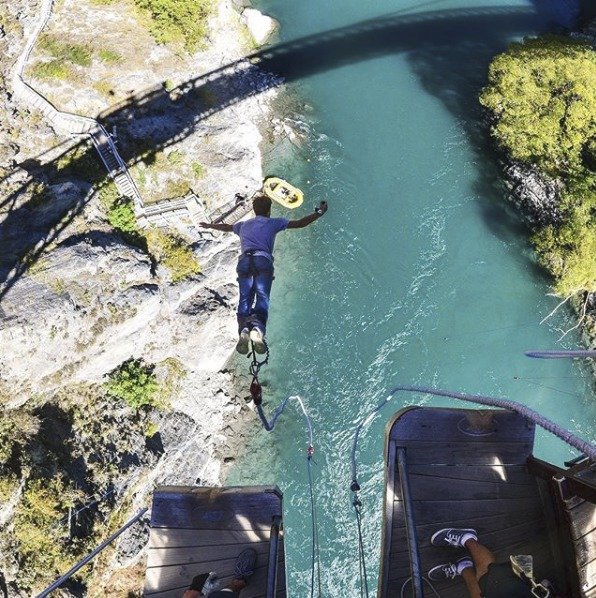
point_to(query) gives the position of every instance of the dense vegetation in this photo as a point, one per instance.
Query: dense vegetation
(182, 21)
(542, 95)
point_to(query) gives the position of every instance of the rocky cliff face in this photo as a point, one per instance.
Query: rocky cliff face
(79, 298)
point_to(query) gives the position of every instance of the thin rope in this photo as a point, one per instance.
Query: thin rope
(361, 559)
(314, 533)
(409, 580)
(560, 354)
(269, 425)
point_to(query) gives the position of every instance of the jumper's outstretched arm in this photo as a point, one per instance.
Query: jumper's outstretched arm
(226, 228)
(306, 220)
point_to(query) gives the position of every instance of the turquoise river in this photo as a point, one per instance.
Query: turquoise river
(419, 273)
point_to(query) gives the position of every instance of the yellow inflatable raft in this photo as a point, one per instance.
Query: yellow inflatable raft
(282, 192)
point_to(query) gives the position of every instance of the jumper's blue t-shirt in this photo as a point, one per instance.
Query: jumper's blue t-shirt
(258, 233)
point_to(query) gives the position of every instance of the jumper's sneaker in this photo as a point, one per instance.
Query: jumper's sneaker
(449, 570)
(245, 564)
(453, 536)
(242, 345)
(258, 340)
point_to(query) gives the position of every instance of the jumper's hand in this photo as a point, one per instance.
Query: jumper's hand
(205, 224)
(323, 207)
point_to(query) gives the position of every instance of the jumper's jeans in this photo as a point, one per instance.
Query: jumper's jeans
(255, 277)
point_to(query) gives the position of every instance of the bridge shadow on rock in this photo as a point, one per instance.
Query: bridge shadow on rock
(432, 39)
(177, 113)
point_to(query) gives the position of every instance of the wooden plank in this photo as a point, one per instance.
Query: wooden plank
(173, 538)
(443, 510)
(207, 555)
(491, 537)
(585, 549)
(423, 486)
(200, 510)
(161, 579)
(587, 575)
(582, 519)
(510, 474)
(449, 426)
(467, 453)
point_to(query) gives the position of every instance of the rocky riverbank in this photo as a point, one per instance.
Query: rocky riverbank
(80, 297)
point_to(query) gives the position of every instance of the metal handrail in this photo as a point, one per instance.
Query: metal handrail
(415, 566)
(90, 556)
(273, 549)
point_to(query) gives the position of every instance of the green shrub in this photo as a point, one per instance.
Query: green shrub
(134, 382)
(44, 548)
(8, 484)
(175, 158)
(74, 53)
(17, 426)
(198, 170)
(177, 21)
(121, 215)
(55, 69)
(174, 253)
(176, 188)
(109, 56)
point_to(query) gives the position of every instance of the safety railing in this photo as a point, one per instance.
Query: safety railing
(273, 550)
(62, 580)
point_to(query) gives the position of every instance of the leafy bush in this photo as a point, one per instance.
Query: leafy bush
(134, 382)
(173, 253)
(109, 56)
(55, 69)
(542, 95)
(74, 53)
(17, 426)
(121, 215)
(182, 21)
(43, 544)
(198, 170)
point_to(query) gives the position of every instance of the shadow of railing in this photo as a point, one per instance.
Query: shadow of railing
(177, 114)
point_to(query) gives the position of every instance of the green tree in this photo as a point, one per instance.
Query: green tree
(542, 98)
(542, 93)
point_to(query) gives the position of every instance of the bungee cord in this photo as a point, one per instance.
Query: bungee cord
(269, 425)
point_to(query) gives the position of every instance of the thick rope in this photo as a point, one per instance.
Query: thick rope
(560, 354)
(583, 446)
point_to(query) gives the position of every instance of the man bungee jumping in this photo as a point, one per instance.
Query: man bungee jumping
(255, 267)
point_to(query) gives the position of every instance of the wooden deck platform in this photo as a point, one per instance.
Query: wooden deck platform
(464, 469)
(198, 530)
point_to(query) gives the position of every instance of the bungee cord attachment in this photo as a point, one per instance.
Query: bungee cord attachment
(256, 390)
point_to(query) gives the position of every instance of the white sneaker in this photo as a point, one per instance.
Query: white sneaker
(242, 345)
(447, 571)
(453, 536)
(258, 340)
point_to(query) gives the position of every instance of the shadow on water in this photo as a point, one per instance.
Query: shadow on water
(434, 40)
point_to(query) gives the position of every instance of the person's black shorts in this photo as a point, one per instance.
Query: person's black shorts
(501, 582)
